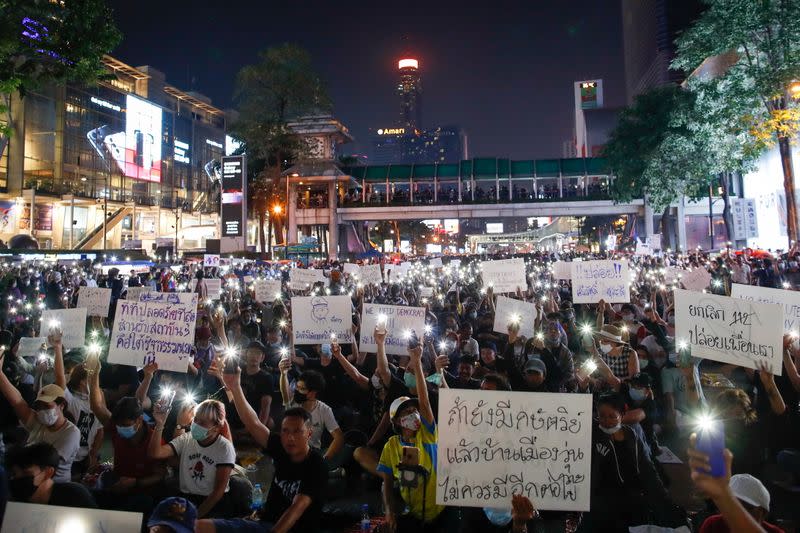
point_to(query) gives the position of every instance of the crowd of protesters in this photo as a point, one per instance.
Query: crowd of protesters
(311, 423)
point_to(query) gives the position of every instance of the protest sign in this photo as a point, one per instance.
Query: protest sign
(593, 281)
(316, 318)
(396, 273)
(352, 269)
(95, 300)
(31, 346)
(729, 330)
(509, 310)
(213, 288)
(371, 275)
(696, 280)
(643, 248)
(506, 275)
(436, 262)
(72, 323)
(210, 260)
(186, 298)
(153, 332)
(493, 444)
(562, 270)
(673, 274)
(133, 292)
(25, 517)
(267, 289)
(426, 292)
(655, 242)
(400, 320)
(789, 300)
(304, 278)
(455, 263)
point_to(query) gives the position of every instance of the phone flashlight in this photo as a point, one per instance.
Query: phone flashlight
(590, 366)
(333, 337)
(428, 329)
(284, 352)
(711, 441)
(540, 336)
(54, 324)
(93, 348)
(515, 318)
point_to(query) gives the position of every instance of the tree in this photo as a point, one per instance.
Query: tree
(282, 86)
(47, 42)
(765, 37)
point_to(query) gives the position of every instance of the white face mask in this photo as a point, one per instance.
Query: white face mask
(606, 348)
(627, 317)
(411, 421)
(47, 417)
(611, 431)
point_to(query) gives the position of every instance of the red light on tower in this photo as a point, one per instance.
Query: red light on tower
(407, 63)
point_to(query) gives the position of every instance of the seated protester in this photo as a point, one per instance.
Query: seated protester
(295, 498)
(490, 362)
(616, 353)
(494, 382)
(515, 347)
(309, 385)
(533, 377)
(742, 433)
(556, 357)
(274, 345)
(14, 370)
(415, 426)
(206, 456)
(173, 515)
(31, 471)
(46, 422)
(464, 379)
(118, 381)
(753, 496)
(338, 388)
(625, 488)
(638, 395)
(569, 324)
(629, 316)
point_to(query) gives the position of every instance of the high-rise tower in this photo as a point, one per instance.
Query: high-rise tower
(409, 88)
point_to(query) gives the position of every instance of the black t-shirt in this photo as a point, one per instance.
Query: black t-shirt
(71, 495)
(308, 477)
(254, 387)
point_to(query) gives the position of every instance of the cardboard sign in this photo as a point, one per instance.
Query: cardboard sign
(213, 288)
(153, 332)
(72, 323)
(95, 300)
(789, 300)
(506, 275)
(493, 444)
(696, 280)
(133, 292)
(607, 280)
(210, 260)
(730, 330)
(562, 270)
(31, 346)
(28, 517)
(316, 318)
(400, 320)
(508, 310)
(186, 298)
(397, 273)
(371, 275)
(305, 278)
(267, 290)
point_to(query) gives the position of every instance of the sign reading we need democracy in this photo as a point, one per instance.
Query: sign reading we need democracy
(400, 320)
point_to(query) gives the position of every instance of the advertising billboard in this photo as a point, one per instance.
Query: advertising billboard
(233, 204)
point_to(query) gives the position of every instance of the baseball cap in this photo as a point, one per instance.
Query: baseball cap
(178, 513)
(750, 490)
(49, 393)
(399, 403)
(536, 364)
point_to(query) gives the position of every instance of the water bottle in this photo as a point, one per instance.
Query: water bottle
(366, 523)
(257, 499)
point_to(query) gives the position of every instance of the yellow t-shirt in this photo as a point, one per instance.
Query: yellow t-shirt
(426, 440)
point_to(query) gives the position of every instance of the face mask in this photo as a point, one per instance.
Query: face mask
(199, 432)
(498, 517)
(436, 379)
(376, 382)
(606, 348)
(472, 316)
(411, 421)
(126, 432)
(22, 488)
(643, 363)
(611, 431)
(410, 380)
(47, 417)
(299, 397)
(627, 317)
(637, 395)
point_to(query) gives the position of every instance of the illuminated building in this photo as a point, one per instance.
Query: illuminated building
(409, 89)
(435, 145)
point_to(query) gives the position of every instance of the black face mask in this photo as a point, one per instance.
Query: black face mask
(299, 397)
(22, 488)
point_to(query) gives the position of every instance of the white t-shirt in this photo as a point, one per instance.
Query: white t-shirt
(321, 419)
(65, 441)
(87, 423)
(198, 464)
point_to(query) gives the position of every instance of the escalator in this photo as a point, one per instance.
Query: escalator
(96, 235)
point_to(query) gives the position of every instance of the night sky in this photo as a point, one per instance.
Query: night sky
(503, 70)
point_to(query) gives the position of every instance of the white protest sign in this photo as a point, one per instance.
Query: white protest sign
(267, 289)
(455, 263)
(20, 517)
(673, 274)
(153, 332)
(352, 269)
(593, 281)
(654, 241)
(730, 330)
(399, 321)
(696, 280)
(493, 444)
(186, 298)
(31, 346)
(506, 275)
(562, 270)
(213, 288)
(396, 273)
(316, 318)
(304, 278)
(426, 292)
(210, 260)
(790, 300)
(371, 275)
(95, 300)
(436, 262)
(72, 323)
(643, 248)
(133, 292)
(509, 310)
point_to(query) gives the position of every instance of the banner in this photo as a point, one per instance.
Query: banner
(26, 517)
(133, 292)
(95, 300)
(400, 320)
(696, 280)
(186, 298)
(153, 332)
(593, 281)
(304, 278)
(506, 275)
(493, 444)
(789, 300)
(562, 270)
(210, 260)
(730, 330)
(72, 323)
(509, 310)
(316, 318)
(267, 290)
(371, 275)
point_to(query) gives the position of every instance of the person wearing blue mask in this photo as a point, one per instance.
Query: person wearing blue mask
(638, 394)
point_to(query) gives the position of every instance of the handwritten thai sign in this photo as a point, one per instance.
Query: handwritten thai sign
(493, 444)
(95, 300)
(730, 330)
(133, 292)
(506, 275)
(188, 298)
(400, 321)
(371, 275)
(304, 278)
(55, 519)
(562, 270)
(790, 300)
(511, 311)
(316, 318)
(593, 281)
(267, 289)
(72, 323)
(696, 280)
(153, 332)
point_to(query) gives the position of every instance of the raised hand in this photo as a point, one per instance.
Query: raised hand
(521, 509)
(54, 336)
(700, 465)
(285, 365)
(149, 369)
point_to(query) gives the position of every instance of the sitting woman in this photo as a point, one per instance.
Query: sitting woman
(206, 457)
